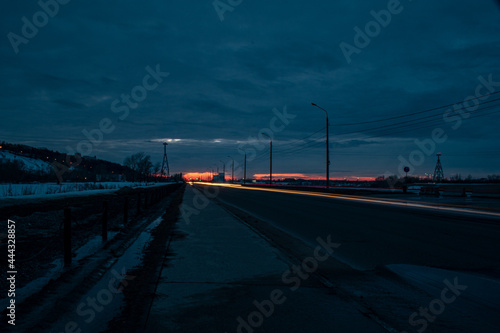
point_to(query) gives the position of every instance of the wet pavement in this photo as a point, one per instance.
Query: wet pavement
(224, 277)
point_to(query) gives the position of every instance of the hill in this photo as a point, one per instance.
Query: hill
(22, 163)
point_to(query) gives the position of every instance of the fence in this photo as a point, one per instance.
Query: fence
(144, 200)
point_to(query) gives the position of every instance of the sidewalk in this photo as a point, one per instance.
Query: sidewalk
(223, 277)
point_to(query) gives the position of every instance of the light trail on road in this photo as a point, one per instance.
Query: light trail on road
(389, 202)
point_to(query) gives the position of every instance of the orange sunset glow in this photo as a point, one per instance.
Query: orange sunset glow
(261, 176)
(198, 175)
(309, 177)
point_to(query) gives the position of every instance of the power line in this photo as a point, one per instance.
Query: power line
(483, 154)
(419, 112)
(304, 138)
(262, 154)
(411, 122)
(291, 144)
(319, 141)
(391, 133)
(426, 117)
(433, 124)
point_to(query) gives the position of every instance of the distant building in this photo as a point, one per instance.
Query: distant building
(220, 178)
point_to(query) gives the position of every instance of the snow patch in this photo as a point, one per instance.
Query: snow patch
(480, 295)
(28, 163)
(41, 190)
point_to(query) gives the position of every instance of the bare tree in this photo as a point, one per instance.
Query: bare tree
(157, 168)
(145, 167)
(140, 163)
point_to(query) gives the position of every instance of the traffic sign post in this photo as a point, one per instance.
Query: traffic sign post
(405, 187)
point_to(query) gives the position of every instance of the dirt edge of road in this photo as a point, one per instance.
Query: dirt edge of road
(140, 293)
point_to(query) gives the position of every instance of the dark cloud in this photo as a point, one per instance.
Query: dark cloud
(226, 78)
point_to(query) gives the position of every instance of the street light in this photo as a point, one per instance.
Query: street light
(216, 175)
(223, 171)
(327, 148)
(232, 172)
(245, 168)
(270, 159)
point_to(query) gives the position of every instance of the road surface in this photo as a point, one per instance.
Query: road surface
(408, 267)
(374, 234)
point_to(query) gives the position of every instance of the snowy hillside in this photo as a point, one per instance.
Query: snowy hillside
(29, 164)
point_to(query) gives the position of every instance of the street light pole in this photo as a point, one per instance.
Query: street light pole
(245, 166)
(245, 170)
(232, 171)
(223, 171)
(216, 175)
(327, 147)
(270, 159)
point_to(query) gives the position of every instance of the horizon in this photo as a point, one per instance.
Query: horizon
(194, 175)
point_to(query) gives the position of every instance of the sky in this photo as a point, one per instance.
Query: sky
(113, 78)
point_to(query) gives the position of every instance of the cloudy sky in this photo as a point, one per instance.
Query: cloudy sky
(238, 70)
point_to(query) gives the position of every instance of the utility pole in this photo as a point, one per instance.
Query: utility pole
(270, 158)
(232, 172)
(245, 170)
(216, 175)
(327, 147)
(245, 166)
(223, 171)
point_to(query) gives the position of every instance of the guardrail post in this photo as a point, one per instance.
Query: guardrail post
(67, 236)
(125, 211)
(138, 203)
(105, 222)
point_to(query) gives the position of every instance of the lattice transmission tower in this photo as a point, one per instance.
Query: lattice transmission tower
(438, 171)
(164, 167)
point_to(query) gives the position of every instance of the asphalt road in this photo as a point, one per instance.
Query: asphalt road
(374, 234)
